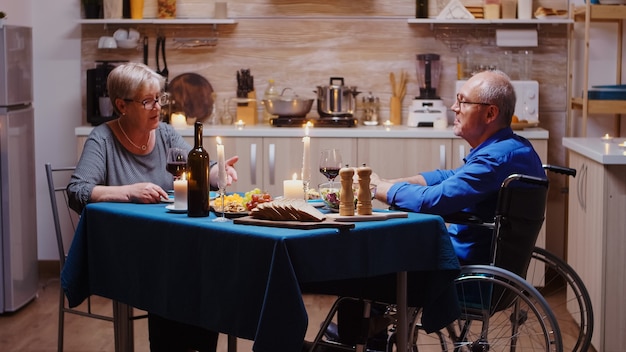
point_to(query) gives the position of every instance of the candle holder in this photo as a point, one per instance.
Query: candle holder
(305, 187)
(222, 193)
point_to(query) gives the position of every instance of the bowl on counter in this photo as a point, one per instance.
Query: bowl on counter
(127, 43)
(288, 105)
(331, 193)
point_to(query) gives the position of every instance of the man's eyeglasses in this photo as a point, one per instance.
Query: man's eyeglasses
(148, 104)
(461, 102)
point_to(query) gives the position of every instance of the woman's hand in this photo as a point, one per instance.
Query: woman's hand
(231, 173)
(145, 192)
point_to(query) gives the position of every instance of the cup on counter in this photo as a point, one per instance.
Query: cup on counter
(506, 62)
(525, 64)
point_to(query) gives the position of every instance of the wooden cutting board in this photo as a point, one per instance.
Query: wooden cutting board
(328, 223)
(376, 216)
(192, 93)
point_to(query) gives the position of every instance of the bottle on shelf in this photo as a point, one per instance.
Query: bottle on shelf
(198, 177)
(270, 92)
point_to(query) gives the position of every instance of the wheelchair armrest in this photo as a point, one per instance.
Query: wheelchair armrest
(464, 218)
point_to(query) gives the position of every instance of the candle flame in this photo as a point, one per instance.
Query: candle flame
(183, 177)
(219, 140)
(295, 176)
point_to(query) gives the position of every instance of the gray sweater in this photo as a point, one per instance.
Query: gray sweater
(105, 161)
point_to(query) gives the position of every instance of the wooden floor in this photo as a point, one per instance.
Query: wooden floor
(34, 327)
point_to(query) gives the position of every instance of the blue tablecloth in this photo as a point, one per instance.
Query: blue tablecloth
(247, 280)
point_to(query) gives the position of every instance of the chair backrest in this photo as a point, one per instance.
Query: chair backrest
(520, 214)
(65, 219)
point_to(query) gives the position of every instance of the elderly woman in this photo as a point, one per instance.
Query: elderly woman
(124, 160)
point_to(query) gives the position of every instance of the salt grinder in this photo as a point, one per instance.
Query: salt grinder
(346, 200)
(364, 196)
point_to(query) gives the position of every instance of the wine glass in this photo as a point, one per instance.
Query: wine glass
(221, 185)
(330, 163)
(176, 162)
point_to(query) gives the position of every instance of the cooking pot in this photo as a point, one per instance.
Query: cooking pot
(336, 100)
(291, 106)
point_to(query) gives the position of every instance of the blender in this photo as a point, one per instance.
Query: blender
(428, 107)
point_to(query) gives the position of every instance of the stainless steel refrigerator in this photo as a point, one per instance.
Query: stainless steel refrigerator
(18, 214)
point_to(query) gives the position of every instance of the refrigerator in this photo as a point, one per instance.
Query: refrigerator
(19, 274)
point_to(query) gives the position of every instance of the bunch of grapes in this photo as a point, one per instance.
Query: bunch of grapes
(254, 197)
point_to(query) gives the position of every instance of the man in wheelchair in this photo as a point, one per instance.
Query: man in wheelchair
(483, 108)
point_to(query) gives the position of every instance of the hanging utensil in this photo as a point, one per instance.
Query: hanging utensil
(157, 52)
(165, 72)
(145, 50)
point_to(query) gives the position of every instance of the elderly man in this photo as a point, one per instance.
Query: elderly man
(484, 109)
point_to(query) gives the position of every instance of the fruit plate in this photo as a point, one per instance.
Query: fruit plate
(522, 125)
(230, 215)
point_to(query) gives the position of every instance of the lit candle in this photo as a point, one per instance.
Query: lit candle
(240, 124)
(306, 155)
(293, 189)
(180, 193)
(607, 137)
(221, 164)
(178, 120)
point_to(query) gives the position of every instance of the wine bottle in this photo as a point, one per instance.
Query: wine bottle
(198, 177)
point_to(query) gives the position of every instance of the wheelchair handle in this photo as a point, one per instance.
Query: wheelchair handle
(560, 170)
(525, 178)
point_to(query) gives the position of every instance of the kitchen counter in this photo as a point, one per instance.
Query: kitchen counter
(331, 132)
(606, 152)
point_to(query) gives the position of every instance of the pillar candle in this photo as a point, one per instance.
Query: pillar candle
(306, 155)
(293, 189)
(180, 194)
(221, 164)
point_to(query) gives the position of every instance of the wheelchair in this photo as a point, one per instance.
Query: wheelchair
(558, 284)
(501, 311)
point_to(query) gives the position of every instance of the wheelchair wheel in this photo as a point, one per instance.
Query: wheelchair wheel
(499, 312)
(567, 296)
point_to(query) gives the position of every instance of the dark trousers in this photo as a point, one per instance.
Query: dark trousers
(171, 336)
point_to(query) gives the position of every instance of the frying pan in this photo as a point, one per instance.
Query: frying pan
(191, 92)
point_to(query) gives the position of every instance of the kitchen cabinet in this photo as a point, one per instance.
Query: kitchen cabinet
(266, 162)
(597, 246)
(589, 14)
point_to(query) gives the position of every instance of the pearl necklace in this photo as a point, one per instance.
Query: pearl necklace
(143, 147)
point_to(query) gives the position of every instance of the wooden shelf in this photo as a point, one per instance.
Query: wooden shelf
(490, 22)
(587, 15)
(600, 13)
(159, 21)
(601, 106)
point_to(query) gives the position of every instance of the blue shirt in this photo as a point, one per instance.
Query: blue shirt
(472, 188)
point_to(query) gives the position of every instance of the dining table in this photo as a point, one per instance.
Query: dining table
(247, 281)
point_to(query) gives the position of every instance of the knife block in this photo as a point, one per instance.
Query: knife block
(247, 112)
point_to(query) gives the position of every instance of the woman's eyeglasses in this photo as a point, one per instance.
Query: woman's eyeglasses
(149, 104)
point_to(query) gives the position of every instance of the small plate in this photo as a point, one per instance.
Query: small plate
(213, 195)
(230, 215)
(172, 209)
(167, 200)
(318, 203)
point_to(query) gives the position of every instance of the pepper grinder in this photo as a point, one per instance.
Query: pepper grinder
(364, 197)
(346, 200)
